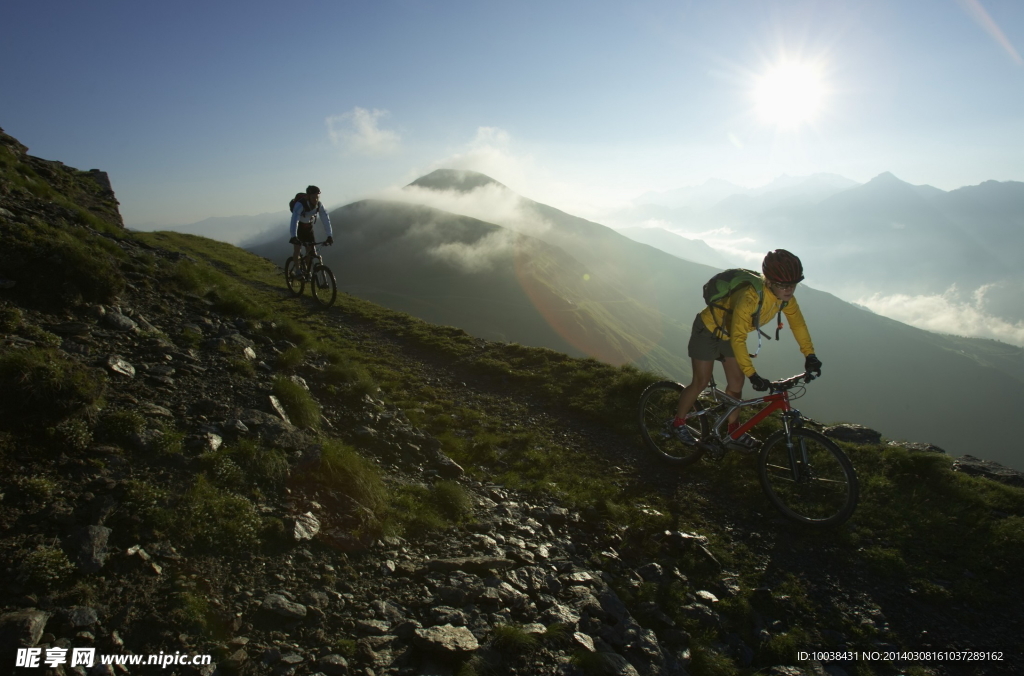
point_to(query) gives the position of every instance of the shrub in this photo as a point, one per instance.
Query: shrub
(56, 267)
(300, 405)
(290, 358)
(167, 443)
(347, 472)
(355, 376)
(212, 519)
(11, 319)
(46, 567)
(37, 488)
(265, 467)
(38, 386)
(73, 434)
(147, 501)
(222, 470)
(191, 610)
(118, 427)
(451, 500)
(510, 639)
(242, 367)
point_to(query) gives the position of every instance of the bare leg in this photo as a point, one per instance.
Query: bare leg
(701, 377)
(734, 383)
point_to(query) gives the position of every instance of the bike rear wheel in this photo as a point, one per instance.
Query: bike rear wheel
(293, 276)
(657, 409)
(811, 481)
(323, 286)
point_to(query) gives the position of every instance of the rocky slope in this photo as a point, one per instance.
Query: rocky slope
(157, 497)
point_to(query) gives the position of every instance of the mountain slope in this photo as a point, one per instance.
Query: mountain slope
(156, 499)
(490, 281)
(881, 373)
(693, 250)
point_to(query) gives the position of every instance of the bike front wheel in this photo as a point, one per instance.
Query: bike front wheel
(323, 286)
(293, 276)
(657, 409)
(811, 481)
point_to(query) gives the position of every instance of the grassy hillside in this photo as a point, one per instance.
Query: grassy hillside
(584, 289)
(550, 458)
(490, 281)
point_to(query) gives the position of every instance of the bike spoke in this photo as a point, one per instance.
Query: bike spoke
(823, 492)
(657, 410)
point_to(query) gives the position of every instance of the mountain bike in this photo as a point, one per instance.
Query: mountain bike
(310, 268)
(805, 475)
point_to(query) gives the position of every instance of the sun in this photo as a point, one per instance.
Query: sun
(789, 94)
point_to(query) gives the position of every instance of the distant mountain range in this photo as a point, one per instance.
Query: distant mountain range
(548, 278)
(238, 230)
(883, 237)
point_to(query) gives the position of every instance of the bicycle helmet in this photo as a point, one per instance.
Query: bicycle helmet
(312, 190)
(782, 267)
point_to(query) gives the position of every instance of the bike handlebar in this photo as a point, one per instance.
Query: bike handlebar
(792, 381)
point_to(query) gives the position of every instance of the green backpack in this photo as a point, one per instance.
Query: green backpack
(722, 285)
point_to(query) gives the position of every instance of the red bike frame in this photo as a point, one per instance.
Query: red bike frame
(776, 402)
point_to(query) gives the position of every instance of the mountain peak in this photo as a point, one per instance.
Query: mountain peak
(461, 180)
(885, 178)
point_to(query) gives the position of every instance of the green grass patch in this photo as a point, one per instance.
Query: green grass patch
(301, 407)
(38, 387)
(119, 427)
(216, 520)
(342, 469)
(418, 508)
(511, 639)
(46, 567)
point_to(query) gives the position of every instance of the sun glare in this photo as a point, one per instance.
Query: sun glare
(788, 94)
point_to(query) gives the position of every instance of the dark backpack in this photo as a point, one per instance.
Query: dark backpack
(301, 197)
(722, 285)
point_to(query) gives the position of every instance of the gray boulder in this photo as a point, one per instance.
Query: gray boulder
(91, 546)
(279, 605)
(857, 434)
(445, 640)
(968, 464)
(333, 665)
(21, 629)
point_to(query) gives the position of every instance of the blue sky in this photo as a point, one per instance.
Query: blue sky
(228, 108)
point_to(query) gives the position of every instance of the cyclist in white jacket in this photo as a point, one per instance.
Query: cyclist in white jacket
(304, 215)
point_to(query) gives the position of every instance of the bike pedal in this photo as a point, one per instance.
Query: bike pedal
(745, 450)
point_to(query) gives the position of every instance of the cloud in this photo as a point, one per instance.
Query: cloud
(359, 131)
(491, 203)
(478, 256)
(985, 20)
(490, 152)
(497, 153)
(949, 312)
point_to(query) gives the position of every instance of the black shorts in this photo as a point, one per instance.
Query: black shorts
(305, 233)
(705, 346)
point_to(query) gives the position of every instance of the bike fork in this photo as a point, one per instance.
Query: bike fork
(797, 457)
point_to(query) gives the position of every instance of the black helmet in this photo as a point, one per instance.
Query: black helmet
(312, 190)
(782, 267)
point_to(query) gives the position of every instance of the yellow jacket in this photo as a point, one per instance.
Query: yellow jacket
(737, 319)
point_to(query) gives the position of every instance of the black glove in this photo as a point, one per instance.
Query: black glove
(759, 383)
(330, 241)
(812, 363)
(294, 240)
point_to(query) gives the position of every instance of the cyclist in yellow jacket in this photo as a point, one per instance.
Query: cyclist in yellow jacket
(721, 334)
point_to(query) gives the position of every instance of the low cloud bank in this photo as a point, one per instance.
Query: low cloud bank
(490, 203)
(479, 256)
(952, 311)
